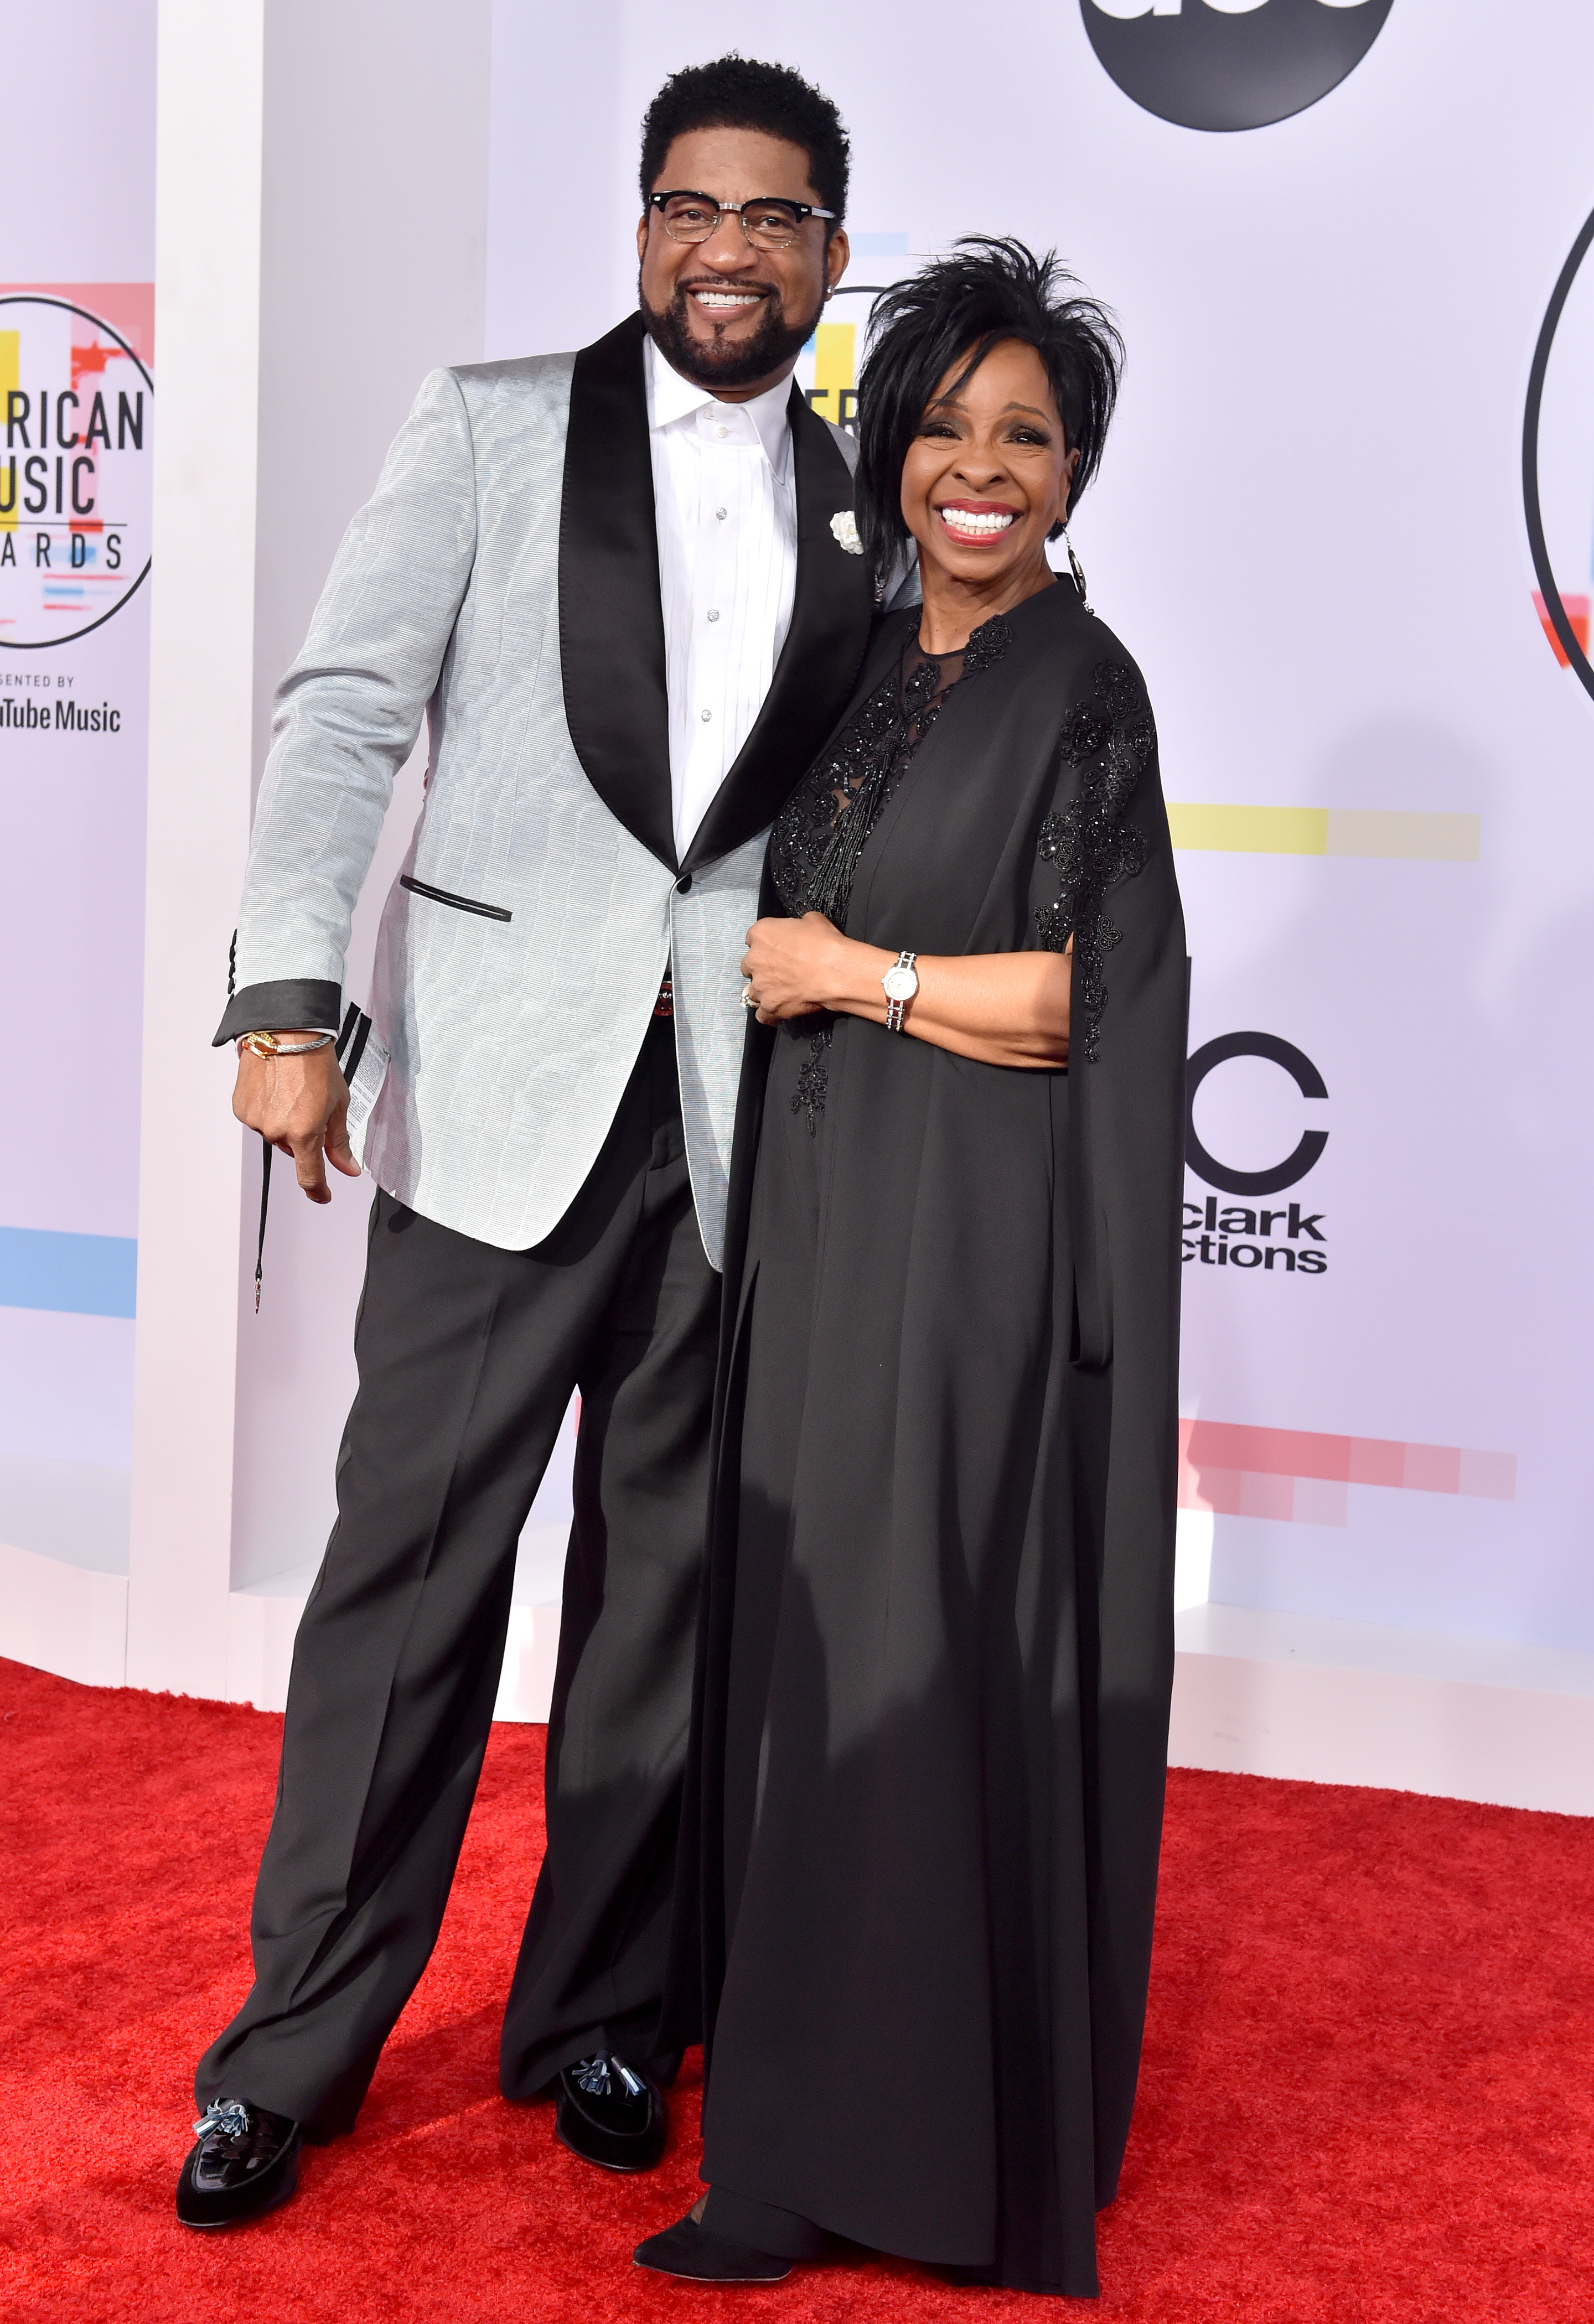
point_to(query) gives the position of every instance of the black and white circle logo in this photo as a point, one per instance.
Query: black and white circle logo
(1558, 462)
(1308, 1150)
(1231, 64)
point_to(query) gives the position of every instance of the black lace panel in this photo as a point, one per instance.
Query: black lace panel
(1111, 738)
(820, 834)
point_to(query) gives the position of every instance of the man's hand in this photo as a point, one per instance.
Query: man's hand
(299, 1106)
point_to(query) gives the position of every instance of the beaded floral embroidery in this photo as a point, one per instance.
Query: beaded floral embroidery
(810, 1094)
(1112, 739)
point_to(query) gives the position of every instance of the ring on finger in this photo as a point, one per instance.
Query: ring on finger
(749, 997)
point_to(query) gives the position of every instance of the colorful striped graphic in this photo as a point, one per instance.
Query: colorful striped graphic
(1304, 1478)
(68, 1274)
(1389, 831)
(1576, 610)
(834, 371)
(11, 358)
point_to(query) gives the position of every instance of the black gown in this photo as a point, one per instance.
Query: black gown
(926, 1788)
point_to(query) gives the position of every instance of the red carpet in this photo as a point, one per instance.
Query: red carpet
(1368, 2089)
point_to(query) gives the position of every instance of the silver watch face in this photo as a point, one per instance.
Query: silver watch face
(900, 983)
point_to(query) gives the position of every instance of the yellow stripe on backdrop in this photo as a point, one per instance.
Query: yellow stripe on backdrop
(835, 370)
(1388, 831)
(11, 376)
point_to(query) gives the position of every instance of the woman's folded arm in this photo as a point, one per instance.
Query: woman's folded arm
(999, 1007)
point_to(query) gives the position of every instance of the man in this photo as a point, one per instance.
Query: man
(611, 583)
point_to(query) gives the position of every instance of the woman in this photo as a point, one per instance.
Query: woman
(930, 1742)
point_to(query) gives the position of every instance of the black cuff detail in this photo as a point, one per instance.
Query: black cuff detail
(280, 1007)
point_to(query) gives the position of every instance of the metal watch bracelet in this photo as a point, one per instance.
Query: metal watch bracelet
(899, 983)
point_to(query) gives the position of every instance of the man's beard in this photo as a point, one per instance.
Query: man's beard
(721, 364)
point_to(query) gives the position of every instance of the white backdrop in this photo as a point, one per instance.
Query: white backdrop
(78, 234)
(1309, 529)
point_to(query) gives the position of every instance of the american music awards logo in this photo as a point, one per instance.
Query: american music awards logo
(1231, 64)
(76, 452)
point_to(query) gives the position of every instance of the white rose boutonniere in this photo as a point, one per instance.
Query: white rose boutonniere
(844, 525)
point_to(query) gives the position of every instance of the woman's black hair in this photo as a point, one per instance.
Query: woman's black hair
(737, 92)
(957, 309)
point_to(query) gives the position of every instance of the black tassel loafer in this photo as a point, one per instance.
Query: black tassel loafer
(245, 2163)
(609, 2114)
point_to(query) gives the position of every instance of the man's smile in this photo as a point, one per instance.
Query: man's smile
(720, 299)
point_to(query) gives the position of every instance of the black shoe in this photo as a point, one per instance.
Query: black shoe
(688, 2249)
(245, 2163)
(609, 2114)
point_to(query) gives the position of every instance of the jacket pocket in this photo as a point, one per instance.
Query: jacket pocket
(459, 903)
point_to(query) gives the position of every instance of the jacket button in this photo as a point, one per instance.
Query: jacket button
(683, 885)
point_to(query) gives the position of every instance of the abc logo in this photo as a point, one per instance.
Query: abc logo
(1231, 64)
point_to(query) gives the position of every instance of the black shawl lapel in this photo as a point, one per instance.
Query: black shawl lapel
(611, 626)
(830, 615)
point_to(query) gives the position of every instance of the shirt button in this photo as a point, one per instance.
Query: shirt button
(722, 431)
(706, 715)
(713, 614)
(721, 514)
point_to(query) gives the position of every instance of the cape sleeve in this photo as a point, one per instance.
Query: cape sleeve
(1121, 1135)
(1103, 878)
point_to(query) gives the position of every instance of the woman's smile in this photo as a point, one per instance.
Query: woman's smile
(977, 520)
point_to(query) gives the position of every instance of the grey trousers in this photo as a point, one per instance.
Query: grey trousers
(468, 1356)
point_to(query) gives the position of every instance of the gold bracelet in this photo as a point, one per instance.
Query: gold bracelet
(267, 1044)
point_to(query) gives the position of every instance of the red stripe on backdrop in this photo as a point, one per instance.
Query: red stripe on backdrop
(1222, 1466)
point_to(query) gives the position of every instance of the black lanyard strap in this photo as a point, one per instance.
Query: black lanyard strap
(264, 1198)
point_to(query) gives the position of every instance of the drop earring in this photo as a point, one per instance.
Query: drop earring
(1075, 568)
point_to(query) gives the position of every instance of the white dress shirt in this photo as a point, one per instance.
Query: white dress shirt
(725, 496)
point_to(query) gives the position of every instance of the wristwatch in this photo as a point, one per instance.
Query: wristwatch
(899, 983)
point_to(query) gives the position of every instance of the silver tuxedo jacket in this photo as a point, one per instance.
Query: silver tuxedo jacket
(502, 582)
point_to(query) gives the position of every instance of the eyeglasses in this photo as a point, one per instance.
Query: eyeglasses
(768, 224)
